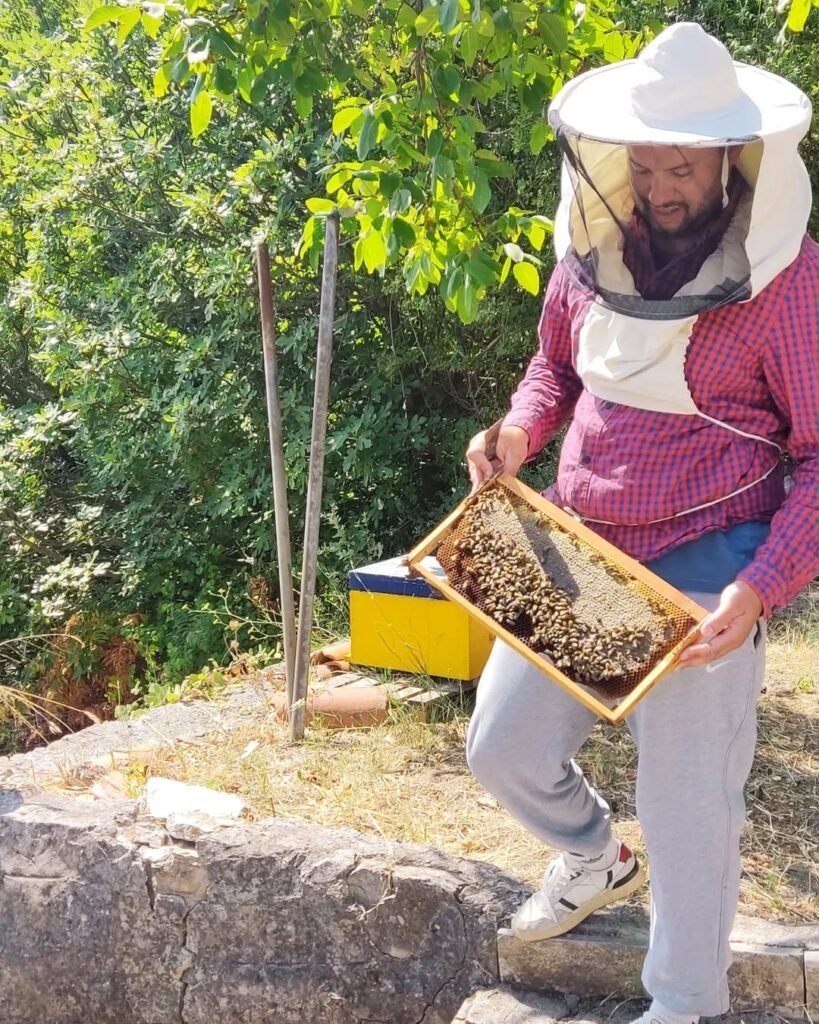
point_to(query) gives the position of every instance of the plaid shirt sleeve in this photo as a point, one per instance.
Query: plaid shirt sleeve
(789, 559)
(547, 395)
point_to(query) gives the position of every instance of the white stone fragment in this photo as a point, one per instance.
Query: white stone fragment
(164, 797)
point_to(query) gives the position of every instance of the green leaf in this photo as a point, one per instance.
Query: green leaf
(435, 143)
(405, 17)
(338, 179)
(103, 15)
(151, 25)
(244, 83)
(442, 167)
(447, 81)
(389, 183)
(502, 20)
(553, 31)
(427, 20)
(798, 15)
(367, 135)
(485, 25)
(466, 301)
(128, 21)
(404, 232)
(344, 118)
(614, 47)
(536, 233)
(201, 112)
(416, 278)
(482, 195)
(304, 104)
(482, 269)
(373, 251)
(224, 81)
(469, 45)
(162, 79)
(400, 201)
(527, 277)
(507, 266)
(540, 135)
(491, 166)
(225, 45)
(449, 14)
(449, 285)
(320, 206)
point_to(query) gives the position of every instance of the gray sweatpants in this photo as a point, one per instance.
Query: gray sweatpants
(695, 733)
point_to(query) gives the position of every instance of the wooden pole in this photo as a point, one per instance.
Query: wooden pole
(324, 355)
(274, 423)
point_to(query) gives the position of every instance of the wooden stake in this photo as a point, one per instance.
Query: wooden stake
(312, 523)
(274, 423)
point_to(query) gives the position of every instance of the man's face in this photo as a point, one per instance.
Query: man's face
(678, 190)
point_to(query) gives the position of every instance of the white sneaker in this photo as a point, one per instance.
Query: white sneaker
(571, 891)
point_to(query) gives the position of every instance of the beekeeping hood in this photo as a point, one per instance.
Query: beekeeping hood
(683, 90)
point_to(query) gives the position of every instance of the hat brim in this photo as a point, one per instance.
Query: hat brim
(597, 105)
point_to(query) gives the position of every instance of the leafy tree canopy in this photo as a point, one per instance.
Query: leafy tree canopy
(406, 98)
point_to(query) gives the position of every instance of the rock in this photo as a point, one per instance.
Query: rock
(165, 797)
(768, 978)
(277, 921)
(80, 940)
(506, 1006)
(190, 827)
(581, 965)
(175, 871)
(812, 983)
(326, 925)
(145, 832)
(604, 956)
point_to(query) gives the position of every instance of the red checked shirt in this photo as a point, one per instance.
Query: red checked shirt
(754, 365)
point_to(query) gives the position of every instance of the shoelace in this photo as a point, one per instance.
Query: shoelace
(559, 877)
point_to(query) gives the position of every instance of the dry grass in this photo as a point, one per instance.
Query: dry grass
(408, 780)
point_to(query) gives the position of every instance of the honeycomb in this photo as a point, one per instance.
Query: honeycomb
(601, 626)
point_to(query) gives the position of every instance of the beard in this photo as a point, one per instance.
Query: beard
(693, 224)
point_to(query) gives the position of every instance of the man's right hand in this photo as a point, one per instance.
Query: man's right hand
(511, 449)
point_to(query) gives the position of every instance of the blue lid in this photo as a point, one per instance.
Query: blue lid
(392, 577)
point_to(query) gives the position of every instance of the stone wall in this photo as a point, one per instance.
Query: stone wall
(105, 920)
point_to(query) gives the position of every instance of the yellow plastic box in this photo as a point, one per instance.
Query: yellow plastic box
(401, 623)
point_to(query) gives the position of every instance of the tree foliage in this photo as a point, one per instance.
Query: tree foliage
(134, 479)
(410, 92)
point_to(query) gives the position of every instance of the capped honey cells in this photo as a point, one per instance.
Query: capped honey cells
(560, 596)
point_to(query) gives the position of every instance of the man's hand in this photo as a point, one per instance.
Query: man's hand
(726, 628)
(511, 450)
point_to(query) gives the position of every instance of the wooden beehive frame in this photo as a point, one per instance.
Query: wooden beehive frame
(572, 526)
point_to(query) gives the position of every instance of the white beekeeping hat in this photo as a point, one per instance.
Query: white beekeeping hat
(683, 90)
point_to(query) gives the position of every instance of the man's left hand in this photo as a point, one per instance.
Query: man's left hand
(726, 628)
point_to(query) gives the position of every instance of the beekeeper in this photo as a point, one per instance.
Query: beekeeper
(679, 339)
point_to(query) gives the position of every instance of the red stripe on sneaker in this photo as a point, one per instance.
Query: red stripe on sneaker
(625, 853)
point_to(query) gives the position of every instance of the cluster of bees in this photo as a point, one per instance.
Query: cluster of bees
(497, 573)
